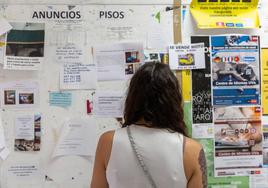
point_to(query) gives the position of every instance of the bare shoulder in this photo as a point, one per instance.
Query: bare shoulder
(102, 157)
(107, 137)
(192, 146)
(191, 156)
(195, 167)
(105, 146)
(192, 151)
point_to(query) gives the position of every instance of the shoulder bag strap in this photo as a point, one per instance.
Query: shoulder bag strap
(139, 157)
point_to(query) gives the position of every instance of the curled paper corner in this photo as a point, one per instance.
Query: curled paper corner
(4, 26)
(4, 153)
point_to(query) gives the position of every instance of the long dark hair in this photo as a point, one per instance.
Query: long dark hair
(154, 95)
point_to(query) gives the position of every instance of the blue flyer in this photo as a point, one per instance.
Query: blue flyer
(235, 70)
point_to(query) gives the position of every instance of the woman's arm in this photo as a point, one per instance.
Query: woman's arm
(102, 157)
(195, 164)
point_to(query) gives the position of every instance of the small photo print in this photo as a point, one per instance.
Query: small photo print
(132, 57)
(24, 145)
(26, 40)
(37, 132)
(136, 66)
(129, 69)
(10, 97)
(154, 56)
(26, 98)
(186, 59)
(164, 58)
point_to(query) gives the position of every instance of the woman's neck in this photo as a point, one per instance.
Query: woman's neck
(143, 123)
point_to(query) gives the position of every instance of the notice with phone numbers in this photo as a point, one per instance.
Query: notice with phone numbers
(78, 76)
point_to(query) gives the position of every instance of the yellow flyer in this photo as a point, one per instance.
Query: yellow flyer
(2, 47)
(2, 41)
(186, 85)
(225, 13)
(264, 84)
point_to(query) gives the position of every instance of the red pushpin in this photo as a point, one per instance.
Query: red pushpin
(89, 108)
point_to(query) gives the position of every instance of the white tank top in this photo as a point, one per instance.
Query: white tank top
(162, 152)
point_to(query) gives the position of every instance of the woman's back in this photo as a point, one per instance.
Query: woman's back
(154, 99)
(162, 153)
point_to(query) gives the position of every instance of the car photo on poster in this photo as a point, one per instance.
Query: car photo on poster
(187, 59)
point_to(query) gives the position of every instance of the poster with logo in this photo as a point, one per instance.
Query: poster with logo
(201, 95)
(237, 140)
(225, 14)
(219, 182)
(235, 70)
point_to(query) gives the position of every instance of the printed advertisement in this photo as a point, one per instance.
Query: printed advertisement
(186, 86)
(259, 181)
(108, 103)
(264, 81)
(70, 47)
(235, 70)
(19, 94)
(238, 141)
(152, 24)
(265, 144)
(27, 171)
(219, 182)
(25, 46)
(24, 127)
(183, 56)
(156, 56)
(201, 95)
(201, 87)
(78, 136)
(203, 130)
(23, 172)
(60, 99)
(118, 61)
(28, 133)
(225, 14)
